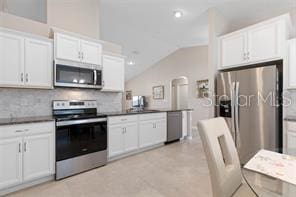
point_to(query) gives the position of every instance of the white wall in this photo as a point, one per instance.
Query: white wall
(79, 16)
(31, 9)
(191, 62)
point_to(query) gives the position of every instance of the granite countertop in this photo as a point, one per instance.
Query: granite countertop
(25, 120)
(126, 112)
(290, 118)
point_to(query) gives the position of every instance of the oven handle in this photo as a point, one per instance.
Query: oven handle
(76, 122)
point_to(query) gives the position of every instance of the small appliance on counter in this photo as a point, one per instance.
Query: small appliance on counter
(81, 137)
(138, 102)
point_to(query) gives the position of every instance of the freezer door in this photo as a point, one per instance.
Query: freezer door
(224, 98)
(256, 111)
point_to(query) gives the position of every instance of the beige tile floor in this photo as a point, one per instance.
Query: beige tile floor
(175, 170)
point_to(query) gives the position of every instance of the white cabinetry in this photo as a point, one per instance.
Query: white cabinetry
(113, 73)
(291, 70)
(26, 153)
(233, 49)
(290, 149)
(11, 60)
(134, 133)
(290, 138)
(259, 43)
(25, 61)
(67, 47)
(152, 129)
(10, 162)
(38, 156)
(123, 135)
(38, 63)
(79, 50)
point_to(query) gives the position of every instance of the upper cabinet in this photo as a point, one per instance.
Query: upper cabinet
(75, 49)
(113, 73)
(233, 49)
(25, 61)
(259, 43)
(291, 78)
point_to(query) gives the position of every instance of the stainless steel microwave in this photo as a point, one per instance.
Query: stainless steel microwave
(77, 76)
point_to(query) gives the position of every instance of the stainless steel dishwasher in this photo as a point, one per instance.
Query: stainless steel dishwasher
(174, 126)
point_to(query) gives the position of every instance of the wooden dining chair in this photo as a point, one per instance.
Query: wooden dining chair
(223, 160)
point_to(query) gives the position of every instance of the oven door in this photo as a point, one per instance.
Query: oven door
(80, 137)
(69, 76)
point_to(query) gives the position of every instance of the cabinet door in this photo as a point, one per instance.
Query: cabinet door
(115, 140)
(291, 143)
(11, 60)
(10, 162)
(38, 156)
(131, 137)
(292, 64)
(147, 134)
(113, 73)
(263, 43)
(233, 50)
(38, 63)
(67, 47)
(161, 131)
(91, 52)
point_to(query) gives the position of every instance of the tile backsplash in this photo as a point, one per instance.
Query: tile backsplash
(290, 109)
(32, 102)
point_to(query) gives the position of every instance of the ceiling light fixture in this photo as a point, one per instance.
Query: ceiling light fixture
(131, 63)
(178, 14)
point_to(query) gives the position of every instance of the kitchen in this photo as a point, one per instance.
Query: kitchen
(66, 107)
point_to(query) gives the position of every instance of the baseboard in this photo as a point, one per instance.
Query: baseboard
(26, 185)
(140, 150)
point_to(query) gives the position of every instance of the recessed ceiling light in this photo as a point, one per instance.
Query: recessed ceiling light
(178, 14)
(131, 63)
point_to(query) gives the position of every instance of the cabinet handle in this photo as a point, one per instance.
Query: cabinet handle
(22, 77)
(82, 55)
(79, 55)
(19, 131)
(27, 77)
(25, 147)
(20, 150)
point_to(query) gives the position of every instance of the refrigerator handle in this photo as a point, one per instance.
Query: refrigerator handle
(237, 133)
(232, 95)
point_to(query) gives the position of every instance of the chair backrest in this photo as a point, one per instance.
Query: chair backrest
(222, 157)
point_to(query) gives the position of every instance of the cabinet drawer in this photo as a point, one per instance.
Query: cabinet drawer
(152, 116)
(26, 129)
(122, 119)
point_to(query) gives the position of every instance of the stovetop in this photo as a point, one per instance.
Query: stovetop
(78, 116)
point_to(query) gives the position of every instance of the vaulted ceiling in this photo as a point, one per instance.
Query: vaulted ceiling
(148, 30)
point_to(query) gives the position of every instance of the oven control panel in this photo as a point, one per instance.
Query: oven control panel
(74, 104)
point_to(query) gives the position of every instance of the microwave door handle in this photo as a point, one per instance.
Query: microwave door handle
(95, 77)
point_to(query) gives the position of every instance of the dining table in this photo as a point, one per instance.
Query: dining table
(271, 174)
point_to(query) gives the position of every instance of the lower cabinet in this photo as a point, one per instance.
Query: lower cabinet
(152, 132)
(132, 132)
(123, 138)
(11, 158)
(38, 156)
(26, 153)
(290, 149)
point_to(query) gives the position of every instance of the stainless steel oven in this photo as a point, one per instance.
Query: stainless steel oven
(81, 137)
(78, 76)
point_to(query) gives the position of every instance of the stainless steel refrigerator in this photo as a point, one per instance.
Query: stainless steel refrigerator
(249, 100)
